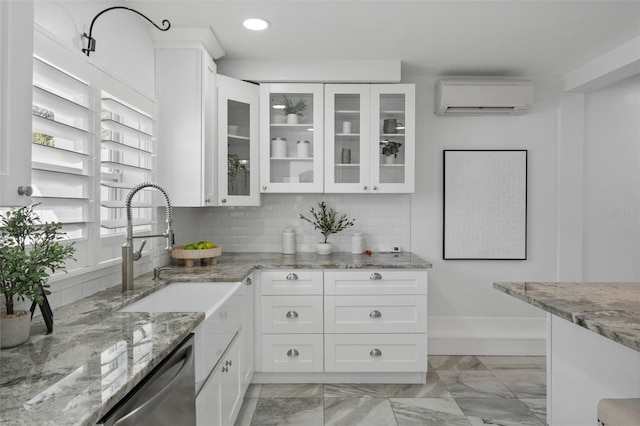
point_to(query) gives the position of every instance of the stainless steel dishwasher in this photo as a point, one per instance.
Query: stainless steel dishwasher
(166, 396)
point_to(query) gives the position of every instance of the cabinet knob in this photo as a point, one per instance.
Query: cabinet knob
(375, 352)
(25, 190)
(249, 281)
(224, 200)
(365, 187)
(293, 353)
(375, 314)
(292, 314)
(264, 187)
(223, 314)
(292, 276)
(375, 276)
(225, 369)
(207, 200)
(375, 188)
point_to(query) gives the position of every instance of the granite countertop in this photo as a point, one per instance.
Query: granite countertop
(609, 309)
(96, 355)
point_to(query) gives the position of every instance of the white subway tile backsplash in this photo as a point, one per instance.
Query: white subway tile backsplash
(383, 219)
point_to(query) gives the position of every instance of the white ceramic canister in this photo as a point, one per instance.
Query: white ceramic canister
(304, 149)
(278, 147)
(357, 243)
(288, 241)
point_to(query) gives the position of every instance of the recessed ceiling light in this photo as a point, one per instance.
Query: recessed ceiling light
(256, 24)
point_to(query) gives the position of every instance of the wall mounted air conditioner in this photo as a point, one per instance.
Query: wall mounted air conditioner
(474, 96)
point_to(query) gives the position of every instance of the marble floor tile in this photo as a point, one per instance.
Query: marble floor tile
(246, 411)
(457, 363)
(474, 384)
(291, 390)
(497, 411)
(289, 411)
(510, 362)
(538, 407)
(363, 390)
(428, 412)
(358, 412)
(524, 383)
(434, 388)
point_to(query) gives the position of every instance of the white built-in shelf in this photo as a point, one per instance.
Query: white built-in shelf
(243, 138)
(293, 158)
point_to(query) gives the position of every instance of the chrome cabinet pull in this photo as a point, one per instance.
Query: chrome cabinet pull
(292, 276)
(293, 353)
(249, 281)
(375, 276)
(228, 362)
(224, 200)
(292, 314)
(375, 352)
(375, 314)
(225, 369)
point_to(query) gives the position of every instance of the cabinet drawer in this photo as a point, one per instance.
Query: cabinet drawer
(291, 282)
(376, 314)
(292, 314)
(292, 353)
(375, 281)
(375, 353)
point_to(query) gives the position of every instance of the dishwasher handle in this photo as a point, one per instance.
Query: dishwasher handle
(186, 357)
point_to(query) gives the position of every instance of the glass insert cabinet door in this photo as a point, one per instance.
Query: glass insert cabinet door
(392, 153)
(291, 117)
(238, 131)
(347, 128)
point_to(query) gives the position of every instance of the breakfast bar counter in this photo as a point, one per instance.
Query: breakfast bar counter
(593, 344)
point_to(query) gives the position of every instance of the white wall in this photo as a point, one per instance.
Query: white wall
(612, 183)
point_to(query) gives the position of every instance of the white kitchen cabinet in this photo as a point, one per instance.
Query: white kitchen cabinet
(357, 118)
(16, 33)
(185, 86)
(238, 143)
(292, 153)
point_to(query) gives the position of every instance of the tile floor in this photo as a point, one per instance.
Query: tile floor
(460, 390)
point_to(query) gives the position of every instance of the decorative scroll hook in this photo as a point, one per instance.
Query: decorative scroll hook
(91, 42)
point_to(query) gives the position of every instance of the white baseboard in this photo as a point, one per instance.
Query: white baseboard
(487, 336)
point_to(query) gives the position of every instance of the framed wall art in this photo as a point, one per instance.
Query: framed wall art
(485, 204)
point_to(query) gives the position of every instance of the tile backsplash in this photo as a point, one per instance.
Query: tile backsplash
(383, 219)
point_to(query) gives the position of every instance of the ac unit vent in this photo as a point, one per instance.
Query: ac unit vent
(483, 97)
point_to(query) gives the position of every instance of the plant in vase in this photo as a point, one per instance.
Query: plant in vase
(29, 251)
(326, 220)
(294, 111)
(390, 148)
(235, 165)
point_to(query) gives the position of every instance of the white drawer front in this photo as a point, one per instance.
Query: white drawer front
(375, 353)
(291, 282)
(378, 281)
(292, 314)
(376, 314)
(292, 353)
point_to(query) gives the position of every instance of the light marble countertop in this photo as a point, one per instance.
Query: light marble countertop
(609, 309)
(96, 355)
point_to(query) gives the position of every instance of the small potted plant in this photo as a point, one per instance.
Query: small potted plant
(294, 111)
(390, 150)
(29, 250)
(234, 166)
(327, 222)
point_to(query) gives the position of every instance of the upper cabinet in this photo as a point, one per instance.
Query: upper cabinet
(238, 156)
(187, 152)
(370, 141)
(291, 134)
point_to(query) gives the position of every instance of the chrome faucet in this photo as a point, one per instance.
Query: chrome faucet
(128, 254)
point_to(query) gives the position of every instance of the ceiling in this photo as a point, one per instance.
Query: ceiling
(506, 38)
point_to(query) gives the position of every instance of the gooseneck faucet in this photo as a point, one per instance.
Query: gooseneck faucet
(128, 254)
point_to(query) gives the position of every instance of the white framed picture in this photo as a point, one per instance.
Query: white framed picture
(485, 204)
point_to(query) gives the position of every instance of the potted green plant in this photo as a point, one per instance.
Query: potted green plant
(29, 251)
(294, 111)
(326, 220)
(390, 148)
(234, 166)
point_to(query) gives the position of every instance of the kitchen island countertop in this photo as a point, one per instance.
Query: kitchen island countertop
(96, 354)
(610, 309)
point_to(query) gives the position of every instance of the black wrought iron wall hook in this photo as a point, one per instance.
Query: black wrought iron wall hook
(91, 42)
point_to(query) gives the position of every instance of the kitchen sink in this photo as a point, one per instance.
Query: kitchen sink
(222, 304)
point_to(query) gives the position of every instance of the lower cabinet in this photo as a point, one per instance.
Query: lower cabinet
(342, 321)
